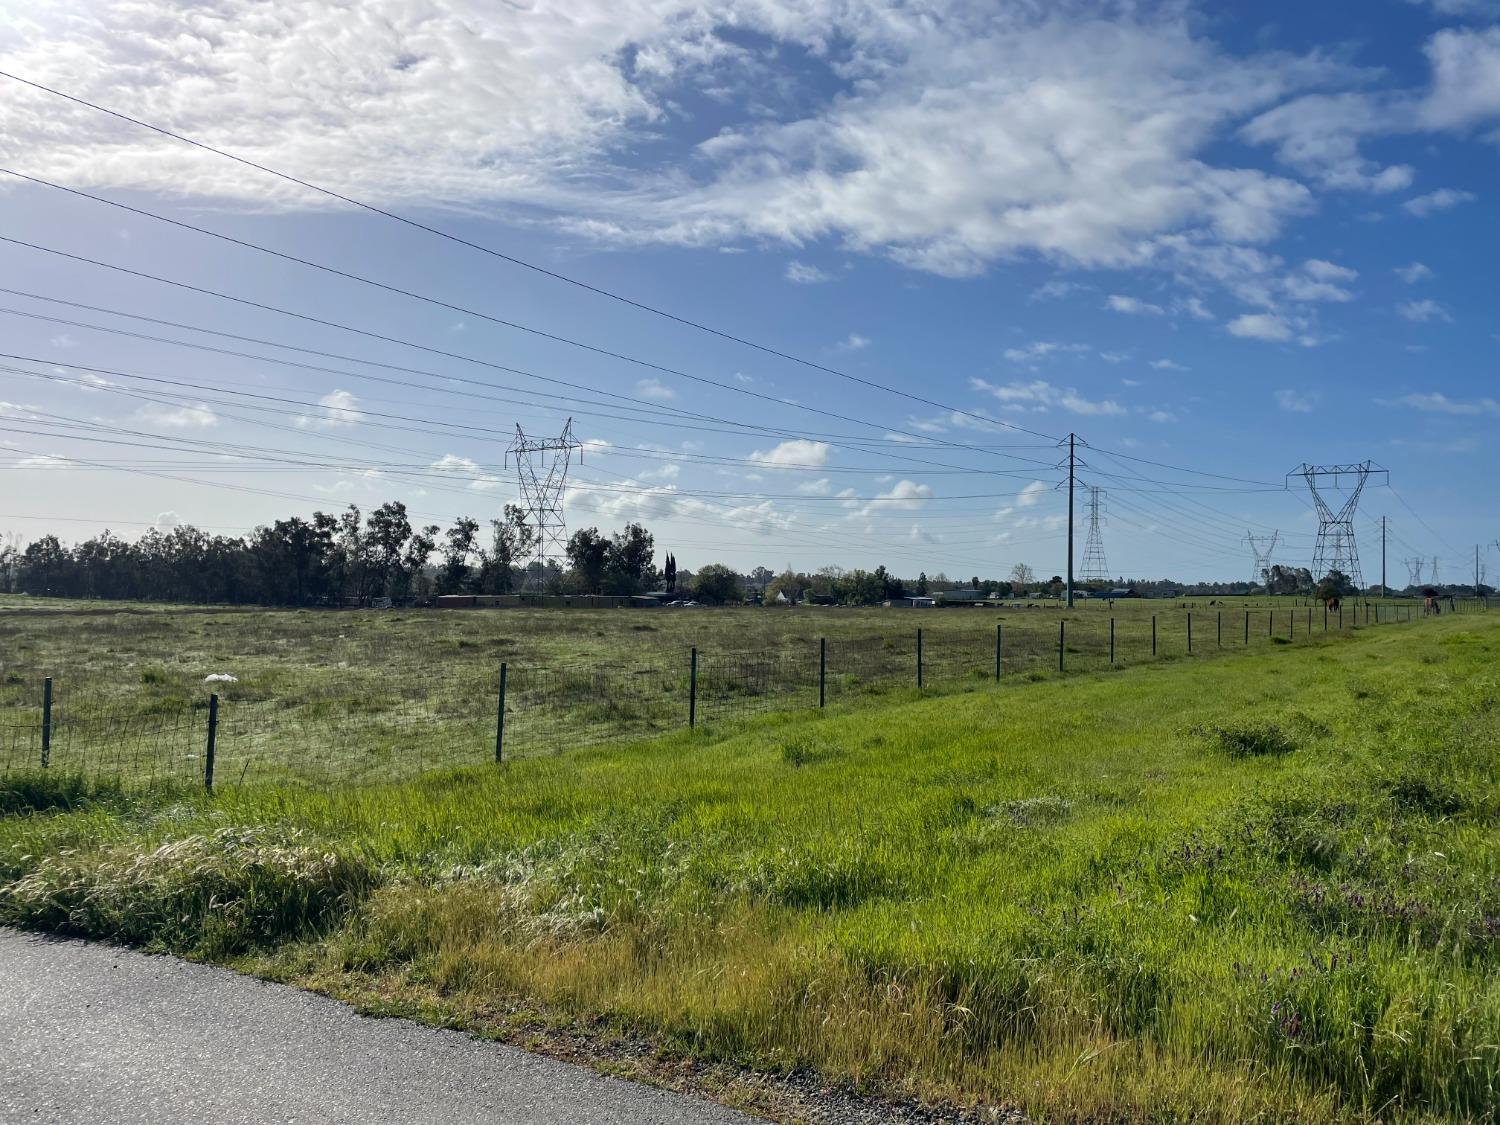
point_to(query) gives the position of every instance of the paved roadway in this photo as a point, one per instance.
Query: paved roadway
(95, 1034)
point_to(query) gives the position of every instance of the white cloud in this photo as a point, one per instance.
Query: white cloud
(1423, 311)
(1133, 306)
(166, 521)
(1465, 78)
(40, 461)
(1297, 402)
(1040, 349)
(469, 469)
(1461, 7)
(1159, 415)
(1437, 403)
(339, 409)
(803, 274)
(797, 452)
(853, 342)
(190, 416)
(1441, 200)
(1167, 365)
(1055, 290)
(1319, 135)
(1261, 326)
(654, 388)
(1194, 307)
(1040, 395)
(1096, 136)
(1328, 271)
(820, 487)
(1029, 496)
(903, 496)
(1413, 273)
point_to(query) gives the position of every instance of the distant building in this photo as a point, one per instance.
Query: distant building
(909, 603)
(962, 597)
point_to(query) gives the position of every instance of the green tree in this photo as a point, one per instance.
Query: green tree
(454, 576)
(588, 551)
(627, 562)
(717, 584)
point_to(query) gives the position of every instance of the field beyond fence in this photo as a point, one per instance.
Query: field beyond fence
(123, 693)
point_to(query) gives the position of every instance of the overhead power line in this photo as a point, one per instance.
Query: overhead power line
(500, 255)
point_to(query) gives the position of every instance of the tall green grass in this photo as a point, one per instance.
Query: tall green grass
(1259, 889)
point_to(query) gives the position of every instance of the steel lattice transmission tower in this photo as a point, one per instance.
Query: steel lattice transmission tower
(1261, 546)
(542, 468)
(1095, 565)
(1435, 570)
(1414, 568)
(1336, 548)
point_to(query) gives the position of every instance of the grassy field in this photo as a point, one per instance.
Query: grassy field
(1259, 888)
(355, 696)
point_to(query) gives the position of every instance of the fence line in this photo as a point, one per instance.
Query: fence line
(237, 736)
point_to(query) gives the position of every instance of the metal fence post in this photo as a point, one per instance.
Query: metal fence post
(1190, 632)
(46, 721)
(1341, 615)
(500, 717)
(1309, 621)
(1111, 640)
(822, 670)
(1221, 629)
(1061, 626)
(1153, 634)
(213, 739)
(1247, 627)
(999, 640)
(1325, 617)
(919, 659)
(693, 689)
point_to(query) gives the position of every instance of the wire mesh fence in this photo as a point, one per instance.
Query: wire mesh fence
(354, 725)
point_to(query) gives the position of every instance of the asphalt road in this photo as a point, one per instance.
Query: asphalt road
(92, 1033)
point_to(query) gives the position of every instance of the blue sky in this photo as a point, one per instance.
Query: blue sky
(1213, 241)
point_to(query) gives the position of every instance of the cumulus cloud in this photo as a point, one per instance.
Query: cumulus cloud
(189, 416)
(1443, 199)
(796, 452)
(1029, 496)
(1132, 306)
(1423, 311)
(1465, 78)
(1438, 403)
(1297, 402)
(1096, 136)
(1261, 326)
(1167, 365)
(1413, 273)
(854, 342)
(166, 521)
(903, 496)
(1040, 395)
(654, 388)
(1040, 349)
(338, 409)
(468, 469)
(804, 274)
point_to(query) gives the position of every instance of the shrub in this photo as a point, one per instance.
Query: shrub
(1252, 740)
(46, 790)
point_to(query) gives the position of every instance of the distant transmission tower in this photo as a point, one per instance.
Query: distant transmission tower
(1336, 548)
(1095, 566)
(542, 467)
(1434, 570)
(1414, 568)
(1261, 546)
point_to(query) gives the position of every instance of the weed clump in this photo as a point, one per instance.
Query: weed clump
(804, 751)
(1424, 796)
(217, 895)
(1252, 740)
(46, 791)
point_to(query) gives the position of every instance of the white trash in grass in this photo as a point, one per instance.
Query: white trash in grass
(221, 678)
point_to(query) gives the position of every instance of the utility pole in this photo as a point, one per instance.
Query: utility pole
(1072, 460)
(1477, 594)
